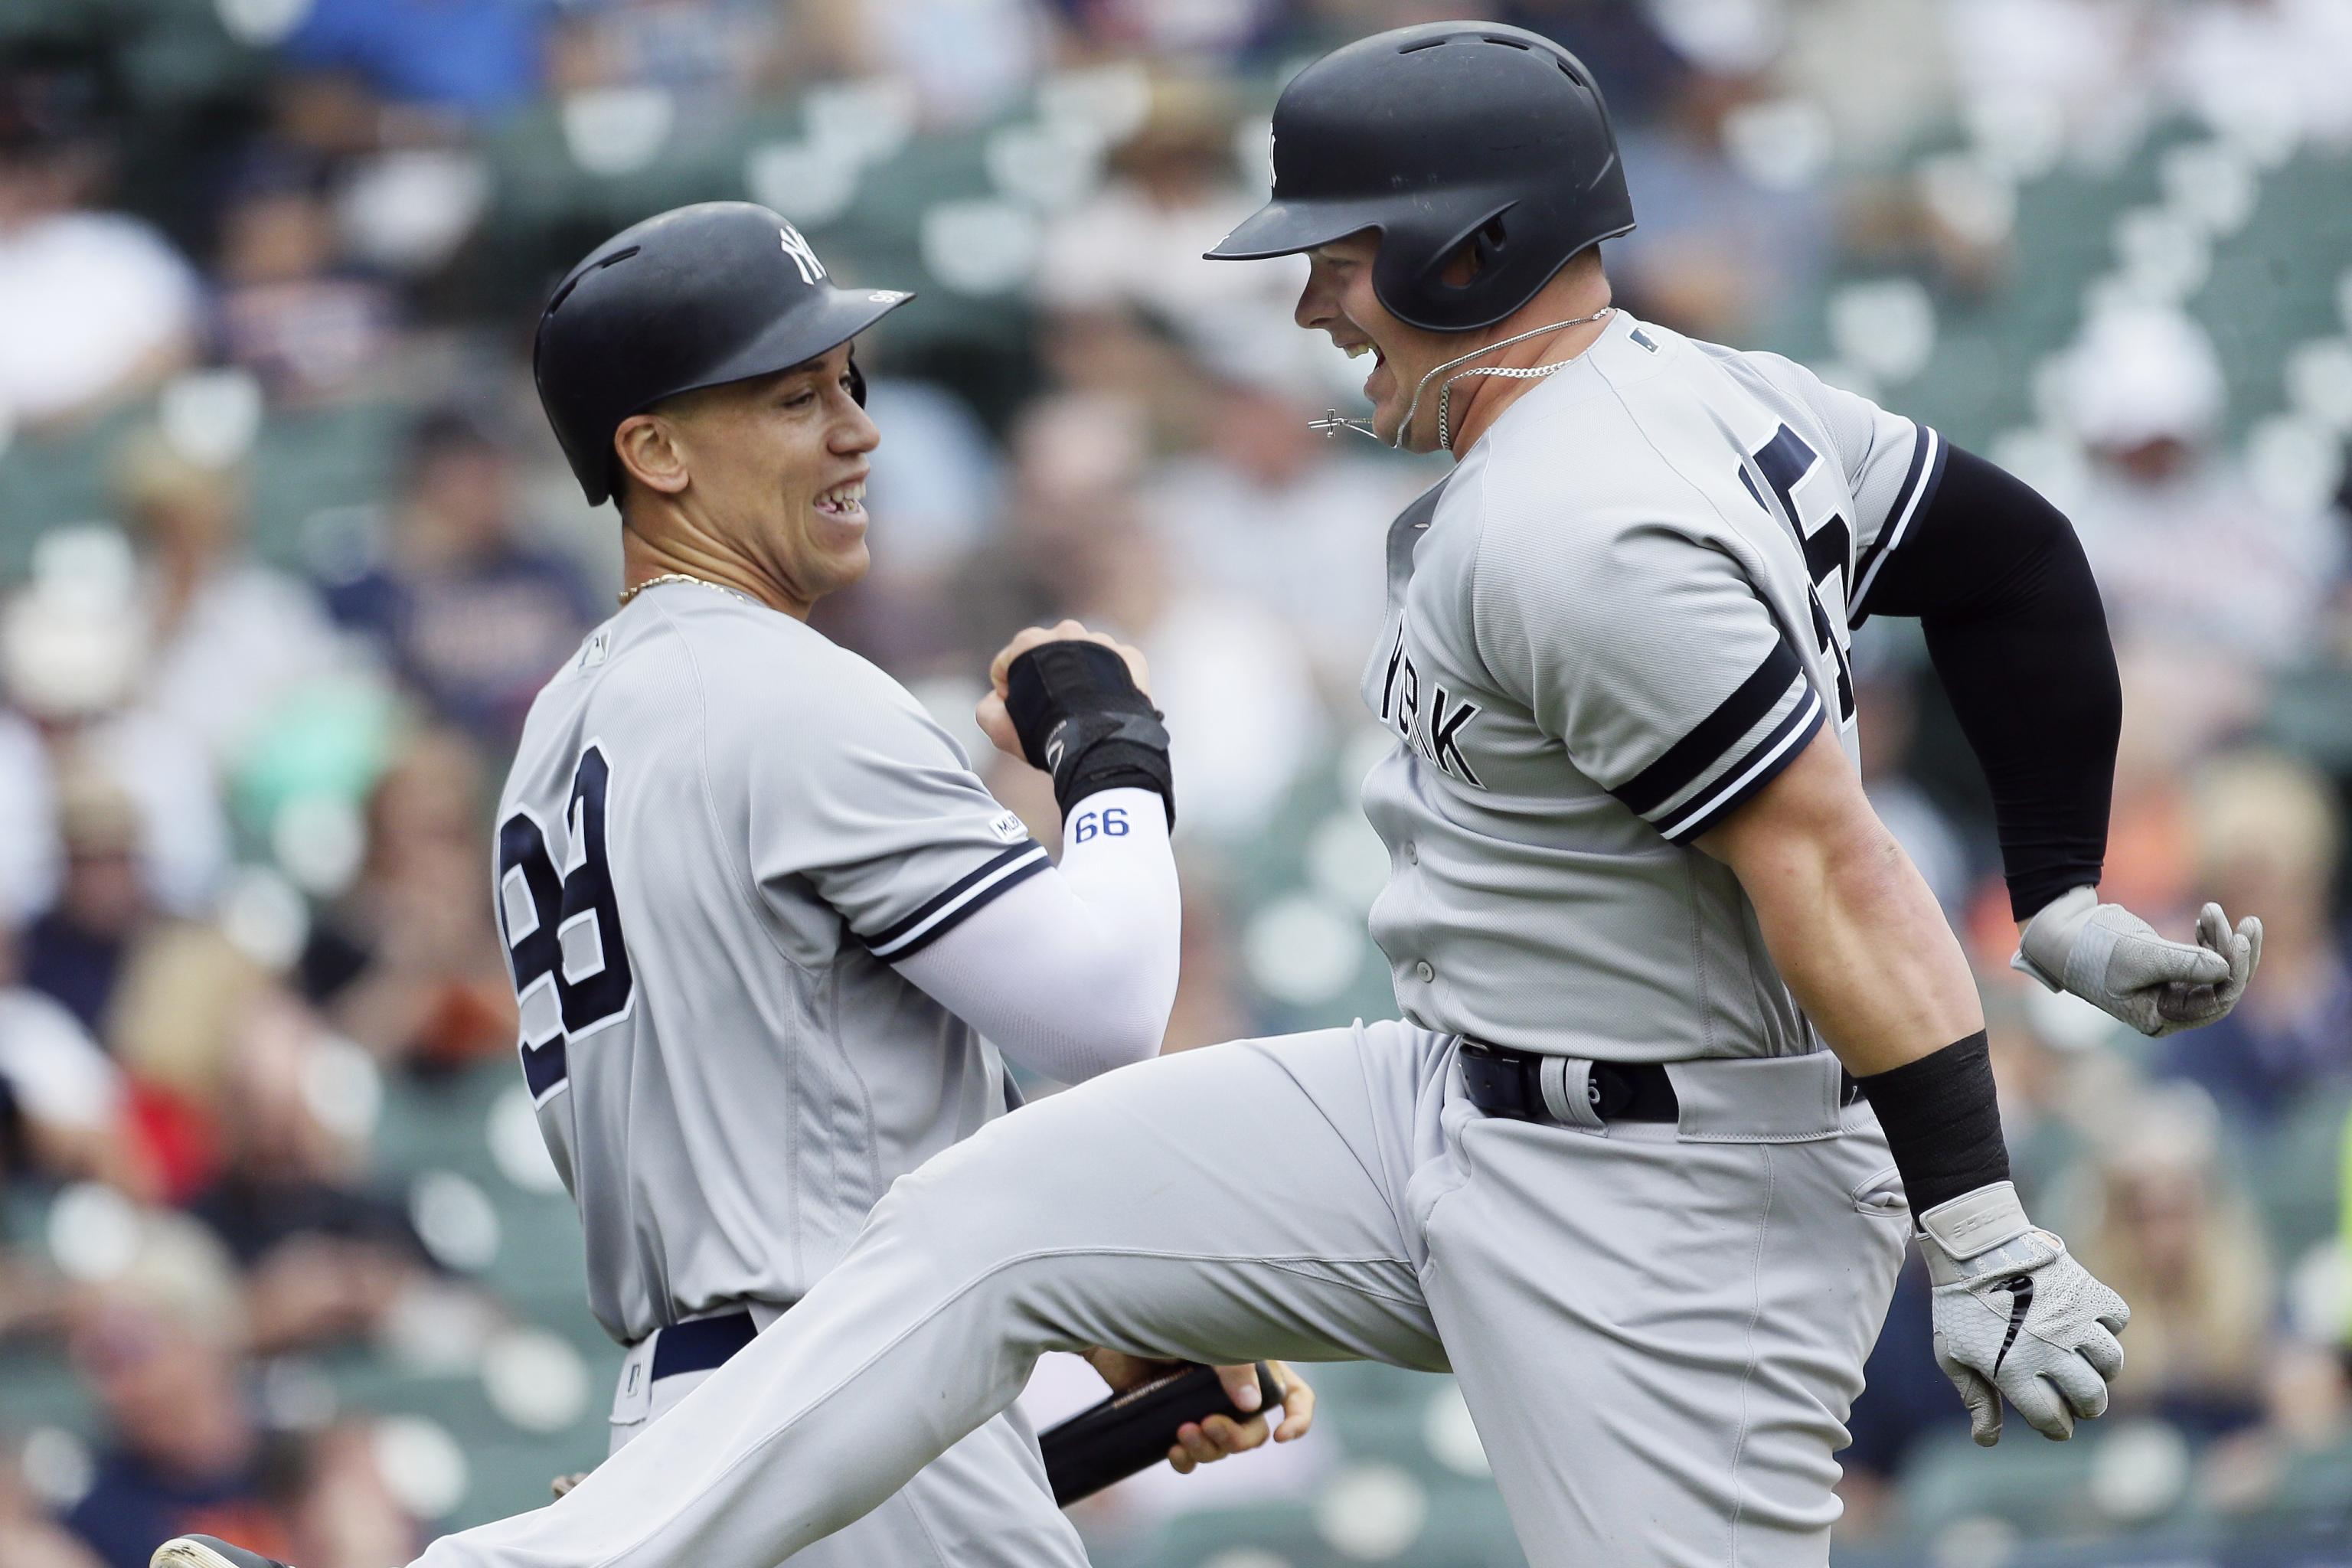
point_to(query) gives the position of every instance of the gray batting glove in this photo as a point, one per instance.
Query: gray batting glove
(2112, 959)
(2016, 1315)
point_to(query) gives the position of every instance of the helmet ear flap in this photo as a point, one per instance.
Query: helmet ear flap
(857, 383)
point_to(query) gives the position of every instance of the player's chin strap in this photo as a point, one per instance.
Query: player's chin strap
(1332, 424)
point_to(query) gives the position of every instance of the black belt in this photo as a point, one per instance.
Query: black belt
(1505, 1083)
(700, 1344)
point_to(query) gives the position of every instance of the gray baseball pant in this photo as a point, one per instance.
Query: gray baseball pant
(984, 1504)
(1658, 1328)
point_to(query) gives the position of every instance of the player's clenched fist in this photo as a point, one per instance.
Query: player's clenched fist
(2115, 961)
(2015, 1315)
(1213, 1438)
(996, 720)
(1075, 703)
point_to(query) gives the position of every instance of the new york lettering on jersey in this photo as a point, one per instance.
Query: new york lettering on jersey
(1435, 734)
(1608, 628)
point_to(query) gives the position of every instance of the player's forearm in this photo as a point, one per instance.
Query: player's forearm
(1847, 918)
(1073, 972)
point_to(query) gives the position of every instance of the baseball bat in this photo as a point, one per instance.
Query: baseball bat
(1133, 1430)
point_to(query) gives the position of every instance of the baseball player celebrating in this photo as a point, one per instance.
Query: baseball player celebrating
(1683, 1028)
(760, 911)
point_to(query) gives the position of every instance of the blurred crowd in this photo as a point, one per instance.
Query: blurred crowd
(246, 764)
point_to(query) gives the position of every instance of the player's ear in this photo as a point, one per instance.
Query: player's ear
(648, 447)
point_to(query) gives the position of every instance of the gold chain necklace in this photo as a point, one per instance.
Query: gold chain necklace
(628, 594)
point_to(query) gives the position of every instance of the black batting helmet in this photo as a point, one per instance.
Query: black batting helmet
(698, 296)
(1431, 134)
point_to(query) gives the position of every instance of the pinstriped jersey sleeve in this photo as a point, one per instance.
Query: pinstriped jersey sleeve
(863, 798)
(1892, 466)
(1646, 653)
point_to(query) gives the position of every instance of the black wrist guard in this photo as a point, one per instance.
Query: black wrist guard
(1080, 717)
(1942, 1122)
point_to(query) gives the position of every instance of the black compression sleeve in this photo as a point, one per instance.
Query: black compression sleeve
(1942, 1122)
(2012, 614)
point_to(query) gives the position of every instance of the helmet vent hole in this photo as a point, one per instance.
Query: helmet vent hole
(1507, 43)
(1424, 44)
(565, 292)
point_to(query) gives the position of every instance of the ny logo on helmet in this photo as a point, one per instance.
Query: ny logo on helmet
(804, 256)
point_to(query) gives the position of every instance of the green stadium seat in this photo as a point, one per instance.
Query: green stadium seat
(2039, 1489)
(42, 1390)
(2296, 1172)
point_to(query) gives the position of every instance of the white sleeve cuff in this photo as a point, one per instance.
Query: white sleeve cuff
(1073, 971)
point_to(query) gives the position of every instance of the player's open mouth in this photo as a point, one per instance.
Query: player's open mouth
(844, 502)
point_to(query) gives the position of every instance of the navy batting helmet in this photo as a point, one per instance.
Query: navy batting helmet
(697, 297)
(1442, 135)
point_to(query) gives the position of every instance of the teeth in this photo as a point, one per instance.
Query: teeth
(842, 497)
(1358, 350)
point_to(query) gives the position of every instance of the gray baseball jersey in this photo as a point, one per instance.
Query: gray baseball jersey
(1625, 609)
(718, 828)
(1616, 620)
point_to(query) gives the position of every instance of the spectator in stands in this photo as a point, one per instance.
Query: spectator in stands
(160, 993)
(965, 60)
(2073, 66)
(1132, 246)
(161, 1346)
(408, 962)
(28, 813)
(2186, 555)
(1720, 246)
(73, 651)
(310, 326)
(1234, 681)
(1210, 32)
(410, 62)
(1889, 718)
(1234, 678)
(2270, 836)
(1268, 511)
(2192, 1250)
(2272, 71)
(29, 1539)
(472, 614)
(707, 53)
(63, 1105)
(231, 637)
(326, 1259)
(95, 307)
(76, 953)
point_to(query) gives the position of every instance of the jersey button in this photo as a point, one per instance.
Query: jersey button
(1413, 851)
(1425, 971)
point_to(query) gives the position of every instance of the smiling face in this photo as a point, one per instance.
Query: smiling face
(1338, 300)
(769, 473)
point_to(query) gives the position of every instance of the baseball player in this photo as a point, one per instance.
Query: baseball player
(1688, 1053)
(768, 930)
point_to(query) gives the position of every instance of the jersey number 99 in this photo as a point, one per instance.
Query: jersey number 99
(562, 928)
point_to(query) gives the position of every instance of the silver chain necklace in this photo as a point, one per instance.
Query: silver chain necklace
(1332, 424)
(631, 593)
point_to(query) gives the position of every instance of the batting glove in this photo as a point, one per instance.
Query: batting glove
(2016, 1315)
(2112, 959)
